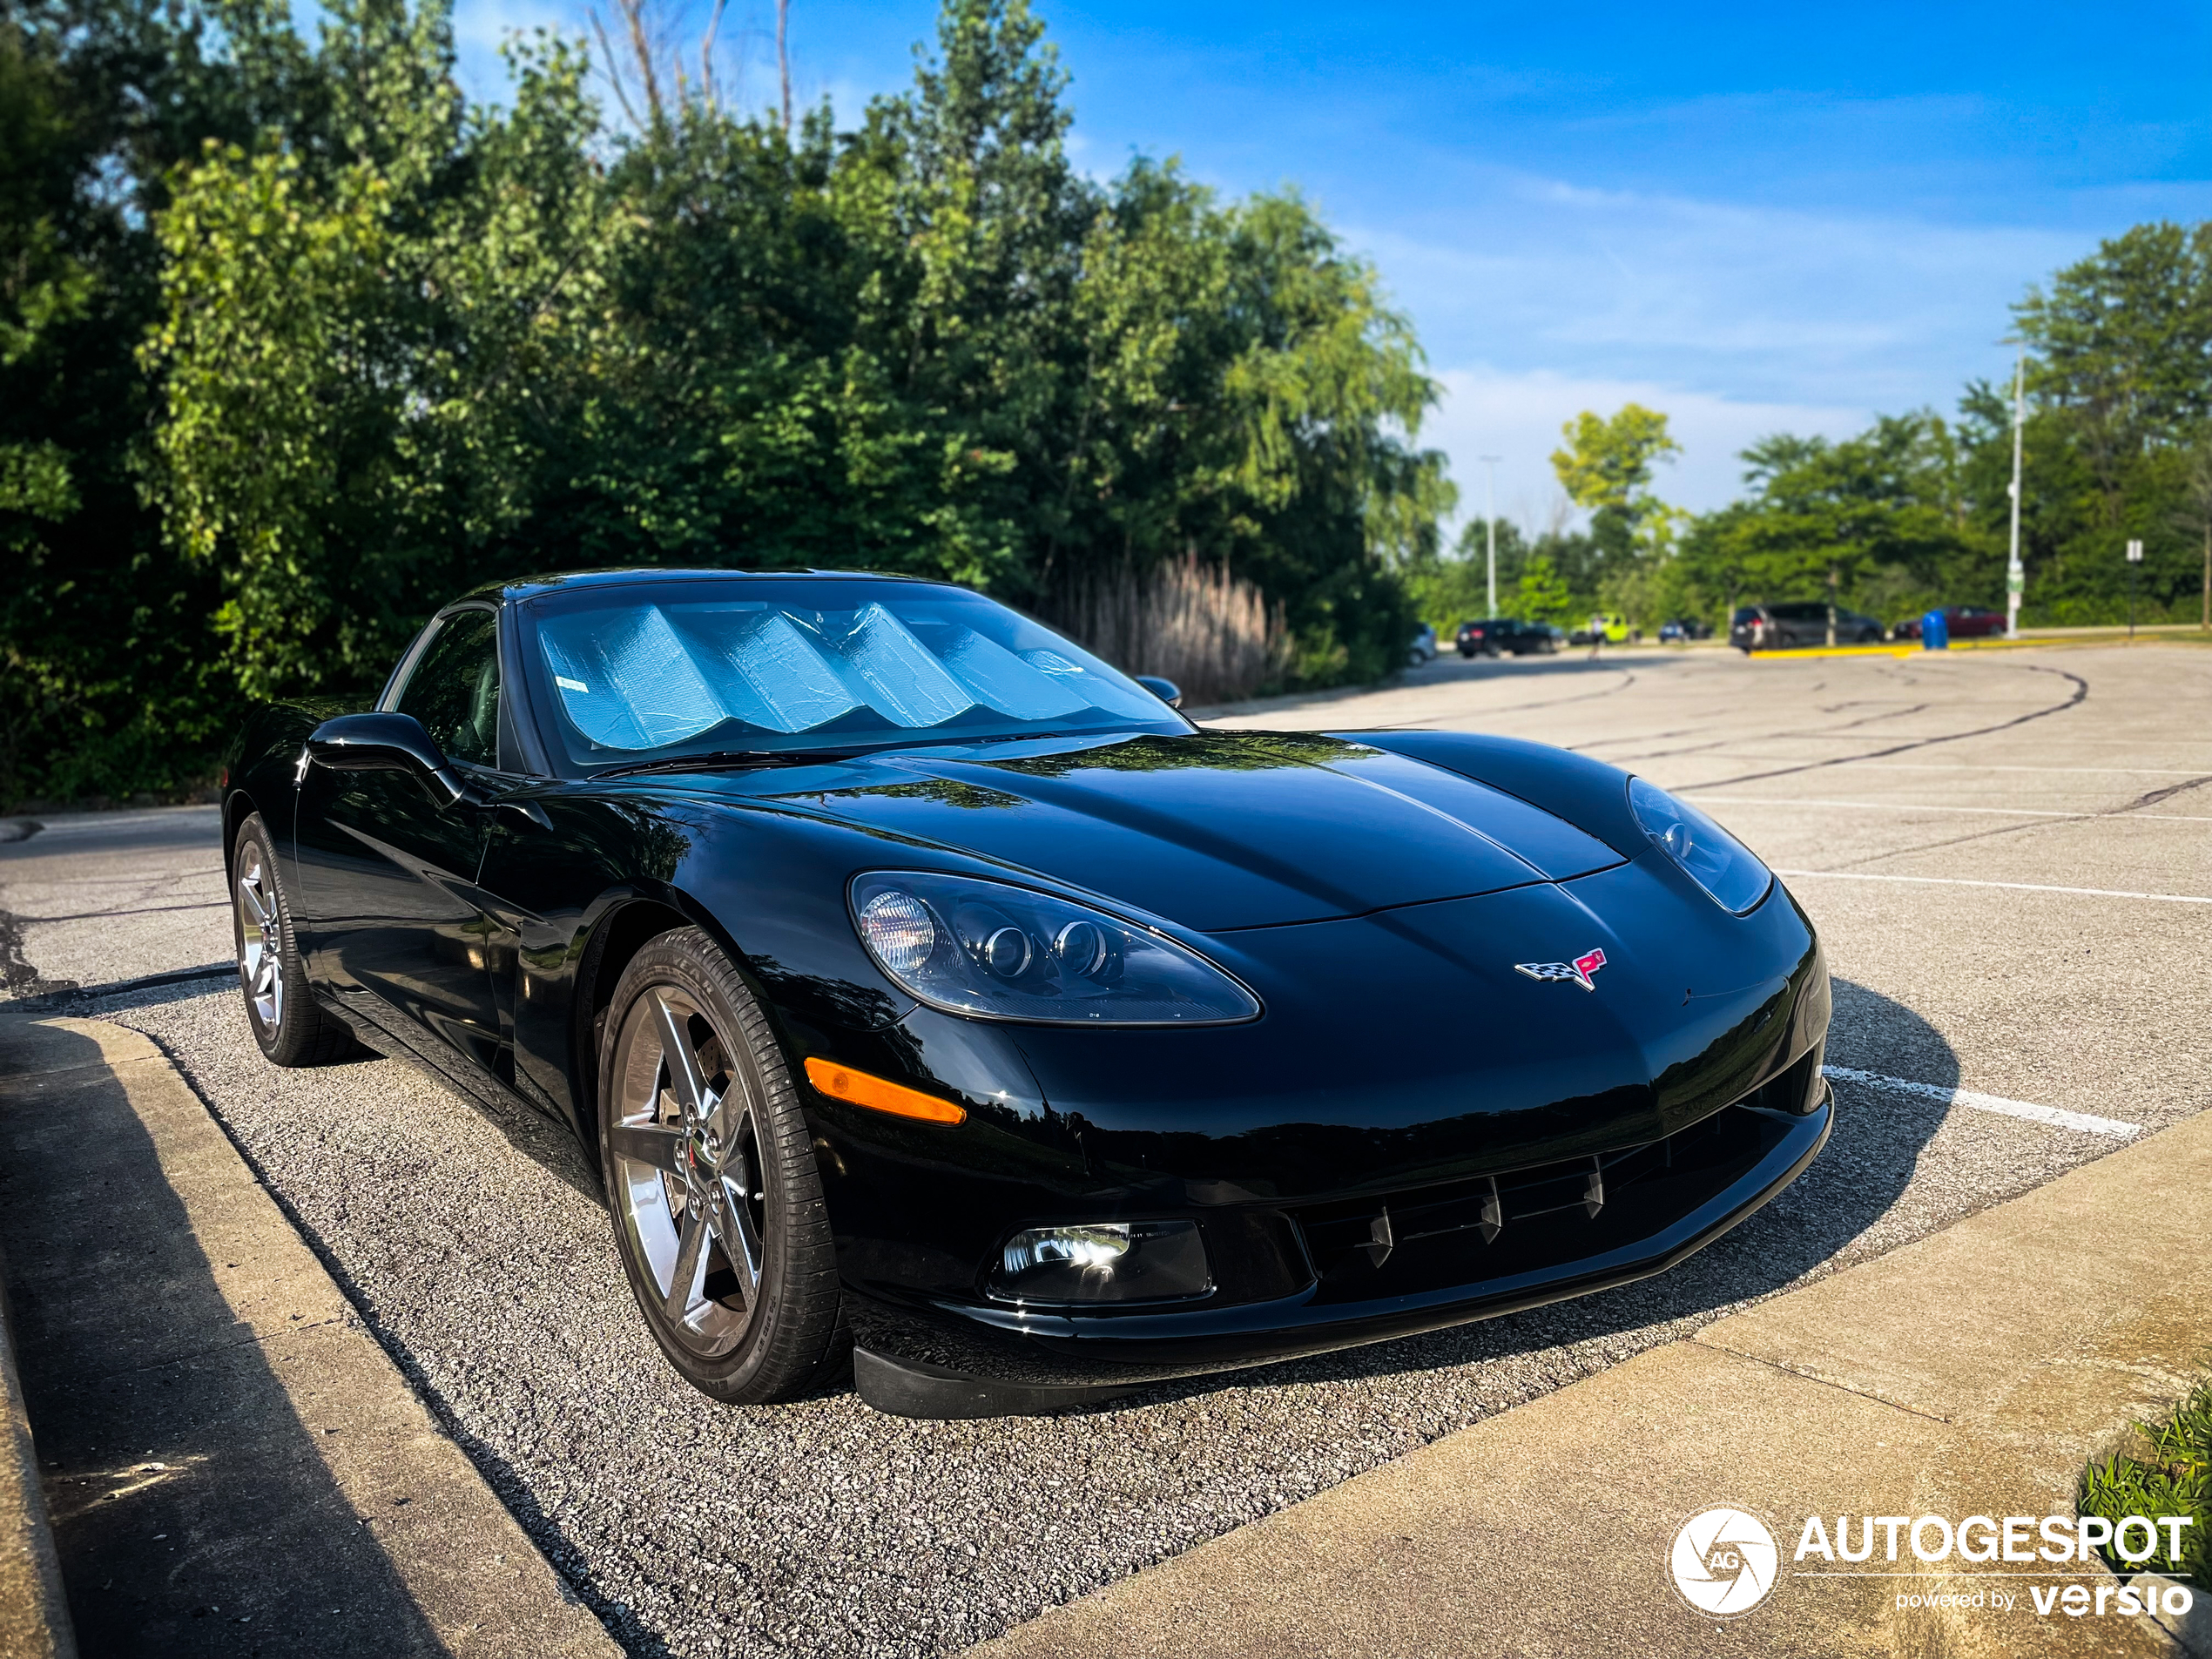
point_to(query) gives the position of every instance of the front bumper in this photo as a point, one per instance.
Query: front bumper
(1455, 1252)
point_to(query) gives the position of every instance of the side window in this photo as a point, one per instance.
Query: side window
(453, 689)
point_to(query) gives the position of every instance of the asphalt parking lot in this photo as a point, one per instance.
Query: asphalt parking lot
(2009, 855)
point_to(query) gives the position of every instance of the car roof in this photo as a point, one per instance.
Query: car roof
(514, 590)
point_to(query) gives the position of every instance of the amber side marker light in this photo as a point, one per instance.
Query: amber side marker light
(880, 1094)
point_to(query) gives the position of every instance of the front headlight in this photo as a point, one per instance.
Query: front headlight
(983, 949)
(1712, 858)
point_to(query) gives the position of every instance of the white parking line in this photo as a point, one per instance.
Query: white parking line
(2051, 1115)
(2014, 886)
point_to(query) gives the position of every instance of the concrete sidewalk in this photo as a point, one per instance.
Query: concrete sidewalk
(1969, 1373)
(233, 1465)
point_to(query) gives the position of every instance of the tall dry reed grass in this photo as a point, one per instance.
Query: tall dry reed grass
(1212, 633)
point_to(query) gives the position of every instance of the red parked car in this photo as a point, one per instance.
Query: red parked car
(1967, 621)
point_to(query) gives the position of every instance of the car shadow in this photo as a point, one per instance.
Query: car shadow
(528, 1128)
(194, 1511)
(1870, 1159)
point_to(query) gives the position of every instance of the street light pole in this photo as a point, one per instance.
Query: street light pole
(2015, 577)
(2134, 558)
(1490, 523)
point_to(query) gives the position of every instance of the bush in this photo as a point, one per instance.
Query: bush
(2167, 1472)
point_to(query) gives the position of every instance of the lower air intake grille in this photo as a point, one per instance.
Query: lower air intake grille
(1463, 1232)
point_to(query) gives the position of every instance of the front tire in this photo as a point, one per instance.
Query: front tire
(711, 1179)
(291, 1028)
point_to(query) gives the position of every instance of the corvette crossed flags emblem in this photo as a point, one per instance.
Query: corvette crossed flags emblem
(1579, 970)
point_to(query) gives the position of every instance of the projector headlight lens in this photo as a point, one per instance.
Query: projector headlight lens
(1715, 860)
(992, 951)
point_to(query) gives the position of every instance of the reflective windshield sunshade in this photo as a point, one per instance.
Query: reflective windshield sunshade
(667, 665)
(984, 948)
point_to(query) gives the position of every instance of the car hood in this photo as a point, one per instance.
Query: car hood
(1215, 831)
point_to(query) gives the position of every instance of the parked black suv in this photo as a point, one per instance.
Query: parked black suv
(1495, 636)
(1778, 627)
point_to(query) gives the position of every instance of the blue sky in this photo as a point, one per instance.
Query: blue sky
(1754, 217)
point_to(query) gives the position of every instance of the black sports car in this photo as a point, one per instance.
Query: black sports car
(923, 988)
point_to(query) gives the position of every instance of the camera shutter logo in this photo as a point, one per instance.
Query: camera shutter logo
(1724, 1561)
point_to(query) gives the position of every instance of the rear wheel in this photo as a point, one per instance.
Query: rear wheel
(709, 1170)
(286, 1021)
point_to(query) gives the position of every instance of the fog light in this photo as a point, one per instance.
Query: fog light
(1071, 1246)
(1110, 1261)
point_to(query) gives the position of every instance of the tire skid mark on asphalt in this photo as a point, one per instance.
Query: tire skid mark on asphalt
(2153, 797)
(1628, 678)
(2080, 695)
(1969, 765)
(1864, 719)
(2057, 1117)
(2125, 809)
(1842, 733)
(1636, 736)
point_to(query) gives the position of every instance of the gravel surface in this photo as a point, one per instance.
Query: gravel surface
(470, 1244)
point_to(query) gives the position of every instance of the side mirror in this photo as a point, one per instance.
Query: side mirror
(1167, 691)
(387, 742)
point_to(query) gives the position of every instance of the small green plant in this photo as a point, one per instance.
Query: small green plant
(2167, 1473)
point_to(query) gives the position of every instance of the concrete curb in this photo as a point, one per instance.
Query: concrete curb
(235, 1449)
(2192, 1629)
(1970, 1372)
(34, 1611)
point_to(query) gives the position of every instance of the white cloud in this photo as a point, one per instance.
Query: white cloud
(1516, 415)
(1749, 302)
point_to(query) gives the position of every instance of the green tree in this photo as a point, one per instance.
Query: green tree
(1606, 470)
(1879, 521)
(366, 341)
(2120, 378)
(2122, 342)
(345, 347)
(106, 681)
(1448, 590)
(1542, 595)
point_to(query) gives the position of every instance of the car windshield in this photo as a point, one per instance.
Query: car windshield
(659, 670)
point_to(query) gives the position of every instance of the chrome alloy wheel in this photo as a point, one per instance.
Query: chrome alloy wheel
(260, 954)
(686, 1181)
